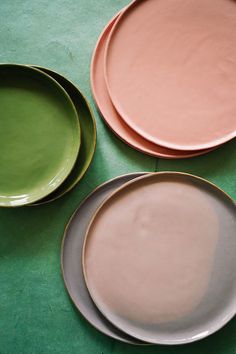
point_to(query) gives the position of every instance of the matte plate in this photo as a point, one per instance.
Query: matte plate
(39, 135)
(88, 136)
(159, 258)
(171, 71)
(71, 258)
(112, 117)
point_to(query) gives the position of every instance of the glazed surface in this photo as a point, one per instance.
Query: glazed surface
(171, 71)
(150, 251)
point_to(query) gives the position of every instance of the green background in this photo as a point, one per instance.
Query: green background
(36, 315)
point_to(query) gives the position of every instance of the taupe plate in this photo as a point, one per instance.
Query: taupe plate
(159, 258)
(71, 258)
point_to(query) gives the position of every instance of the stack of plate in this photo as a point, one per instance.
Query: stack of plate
(47, 135)
(163, 76)
(150, 258)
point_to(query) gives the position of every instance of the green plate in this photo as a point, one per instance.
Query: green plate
(88, 136)
(39, 135)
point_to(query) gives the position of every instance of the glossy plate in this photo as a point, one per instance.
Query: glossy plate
(170, 70)
(159, 258)
(111, 116)
(88, 136)
(39, 135)
(71, 258)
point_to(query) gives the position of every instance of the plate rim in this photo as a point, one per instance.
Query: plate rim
(63, 242)
(93, 145)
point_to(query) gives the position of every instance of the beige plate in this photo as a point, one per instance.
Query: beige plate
(159, 258)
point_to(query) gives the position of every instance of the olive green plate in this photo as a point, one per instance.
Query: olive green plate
(39, 135)
(88, 136)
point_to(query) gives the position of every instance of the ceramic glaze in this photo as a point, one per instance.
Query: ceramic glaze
(112, 117)
(88, 136)
(171, 71)
(39, 135)
(151, 250)
(153, 258)
(71, 256)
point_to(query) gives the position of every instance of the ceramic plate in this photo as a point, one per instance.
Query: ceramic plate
(71, 258)
(112, 117)
(159, 258)
(88, 136)
(39, 135)
(170, 70)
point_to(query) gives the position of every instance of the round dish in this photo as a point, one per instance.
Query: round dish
(111, 116)
(159, 258)
(88, 136)
(39, 135)
(71, 258)
(170, 71)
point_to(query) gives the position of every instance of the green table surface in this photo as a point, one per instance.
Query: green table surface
(36, 314)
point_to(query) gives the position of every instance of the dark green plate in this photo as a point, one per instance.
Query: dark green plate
(88, 135)
(39, 135)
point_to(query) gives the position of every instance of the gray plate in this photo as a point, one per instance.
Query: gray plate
(71, 258)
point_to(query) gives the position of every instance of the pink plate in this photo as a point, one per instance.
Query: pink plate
(112, 118)
(170, 69)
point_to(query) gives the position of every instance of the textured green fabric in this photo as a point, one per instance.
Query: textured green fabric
(36, 315)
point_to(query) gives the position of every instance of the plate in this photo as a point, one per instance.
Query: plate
(170, 71)
(71, 258)
(88, 136)
(111, 116)
(159, 258)
(39, 136)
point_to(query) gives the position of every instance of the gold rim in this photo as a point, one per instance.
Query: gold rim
(62, 253)
(150, 174)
